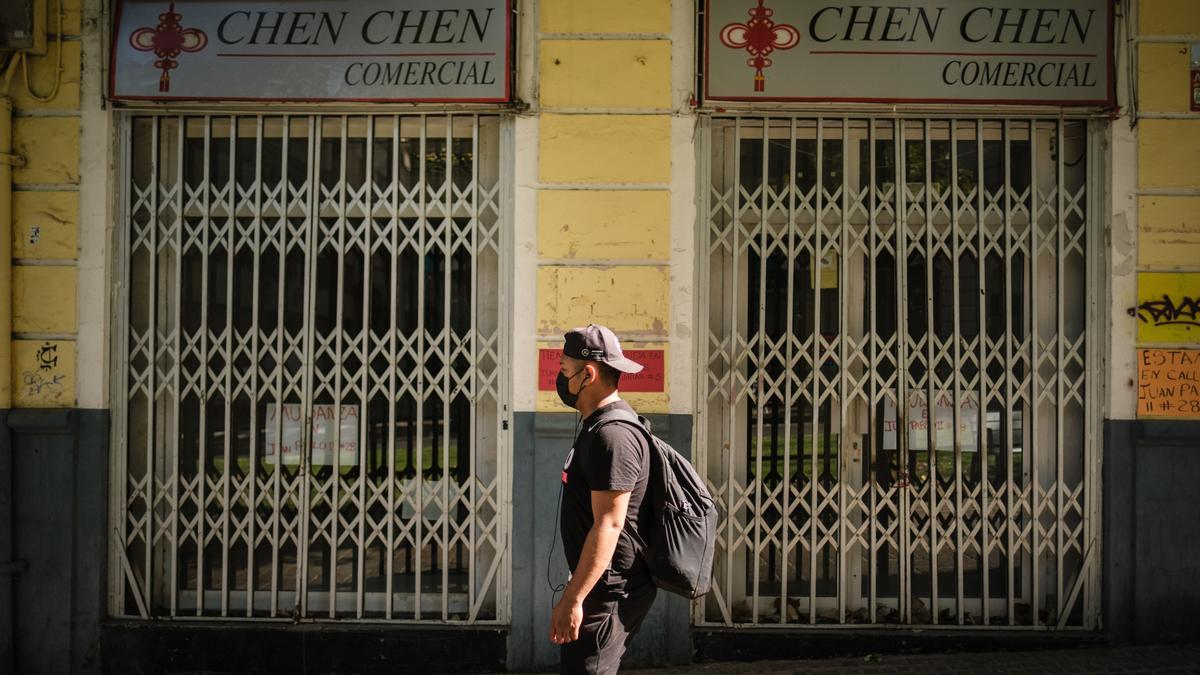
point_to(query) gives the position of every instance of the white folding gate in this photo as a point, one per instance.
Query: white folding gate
(309, 391)
(895, 413)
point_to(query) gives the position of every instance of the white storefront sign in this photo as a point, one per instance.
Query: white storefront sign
(997, 51)
(324, 435)
(313, 50)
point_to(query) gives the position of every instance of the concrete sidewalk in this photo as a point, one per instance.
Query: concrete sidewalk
(1145, 659)
(1142, 659)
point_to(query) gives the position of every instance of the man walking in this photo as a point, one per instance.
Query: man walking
(604, 488)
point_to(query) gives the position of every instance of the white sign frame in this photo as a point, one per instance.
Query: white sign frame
(842, 72)
(312, 51)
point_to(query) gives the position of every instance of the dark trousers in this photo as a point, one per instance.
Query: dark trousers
(609, 623)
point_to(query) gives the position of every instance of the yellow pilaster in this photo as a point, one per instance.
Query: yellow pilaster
(1168, 207)
(38, 317)
(604, 168)
(6, 364)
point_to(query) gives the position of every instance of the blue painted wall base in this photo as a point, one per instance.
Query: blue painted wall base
(53, 492)
(540, 445)
(1151, 530)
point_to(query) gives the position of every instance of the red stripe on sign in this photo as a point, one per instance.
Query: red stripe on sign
(651, 379)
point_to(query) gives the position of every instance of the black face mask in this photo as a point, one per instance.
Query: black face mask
(563, 384)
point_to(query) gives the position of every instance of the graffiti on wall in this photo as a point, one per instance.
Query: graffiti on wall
(44, 371)
(44, 381)
(1168, 308)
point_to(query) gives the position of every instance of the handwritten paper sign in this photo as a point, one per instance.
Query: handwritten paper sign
(651, 379)
(943, 423)
(1169, 383)
(1168, 308)
(322, 435)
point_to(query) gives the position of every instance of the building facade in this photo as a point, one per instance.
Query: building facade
(287, 282)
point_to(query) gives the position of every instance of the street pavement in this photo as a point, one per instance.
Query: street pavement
(1140, 659)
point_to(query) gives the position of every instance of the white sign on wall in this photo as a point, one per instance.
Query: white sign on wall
(324, 436)
(312, 50)
(920, 51)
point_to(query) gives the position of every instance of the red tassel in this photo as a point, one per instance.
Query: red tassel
(759, 81)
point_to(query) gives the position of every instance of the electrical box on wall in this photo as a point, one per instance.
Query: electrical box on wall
(1195, 77)
(23, 26)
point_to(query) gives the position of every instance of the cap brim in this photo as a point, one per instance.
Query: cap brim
(625, 365)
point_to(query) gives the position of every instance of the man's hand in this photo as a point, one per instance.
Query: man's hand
(609, 507)
(565, 621)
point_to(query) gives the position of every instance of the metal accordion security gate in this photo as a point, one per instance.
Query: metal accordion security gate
(309, 384)
(895, 410)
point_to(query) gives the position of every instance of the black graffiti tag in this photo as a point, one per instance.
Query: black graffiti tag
(1168, 312)
(36, 382)
(47, 356)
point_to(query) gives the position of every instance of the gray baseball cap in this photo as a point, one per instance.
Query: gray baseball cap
(597, 343)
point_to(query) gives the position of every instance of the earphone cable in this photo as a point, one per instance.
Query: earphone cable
(555, 589)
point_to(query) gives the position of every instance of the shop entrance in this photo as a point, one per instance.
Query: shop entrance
(895, 413)
(307, 399)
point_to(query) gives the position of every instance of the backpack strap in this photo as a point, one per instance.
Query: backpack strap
(619, 415)
(643, 425)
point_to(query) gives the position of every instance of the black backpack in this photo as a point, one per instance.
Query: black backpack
(681, 538)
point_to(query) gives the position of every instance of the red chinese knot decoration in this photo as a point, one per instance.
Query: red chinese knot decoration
(168, 40)
(760, 36)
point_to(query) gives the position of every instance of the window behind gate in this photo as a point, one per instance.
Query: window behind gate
(310, 341)
(894, 408)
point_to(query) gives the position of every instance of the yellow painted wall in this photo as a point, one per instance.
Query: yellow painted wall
(43, 299)
(610, 16)
(605, 73)
(50, 146)
(604, 148)
(45, 225)
(45, 218)
(1169, 153)
(41, 71)
(1168, 149)
(1168, 231)
(1163, 72)
(604, 161)
(1168, 161)
(1169, 17)
(630, 300)
(597, 224)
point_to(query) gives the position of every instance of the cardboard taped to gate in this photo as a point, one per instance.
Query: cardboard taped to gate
(1169, 383)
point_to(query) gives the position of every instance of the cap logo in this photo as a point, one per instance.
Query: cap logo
(585, 351)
